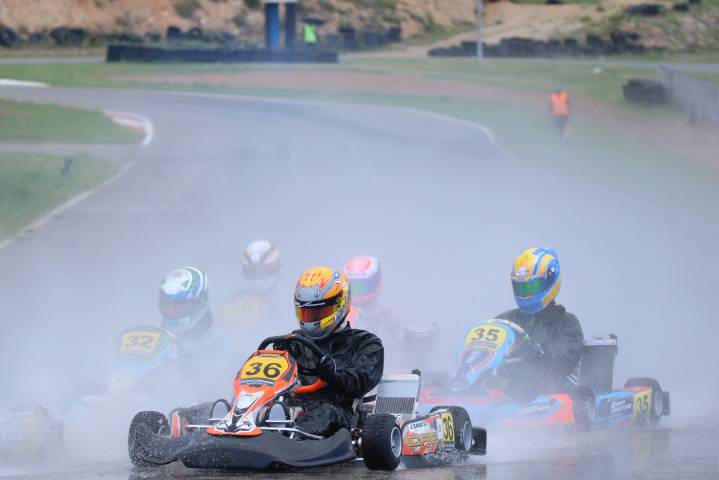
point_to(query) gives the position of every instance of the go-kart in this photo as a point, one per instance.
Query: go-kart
(490, 355)
(257, 430)
(145, 356)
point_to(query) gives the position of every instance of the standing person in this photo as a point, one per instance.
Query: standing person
(560, 109)
(310, 34)
(555, 336)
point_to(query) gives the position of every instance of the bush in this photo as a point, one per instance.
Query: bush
(187, 8)
(253, 4)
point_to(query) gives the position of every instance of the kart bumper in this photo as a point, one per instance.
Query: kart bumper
(201, 450)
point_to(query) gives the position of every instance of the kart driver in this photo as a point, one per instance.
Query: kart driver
(556, 341)
(185, 303)
(354, 359)
(365, 278)
(185, 309)
(406, 346)
(252, 307)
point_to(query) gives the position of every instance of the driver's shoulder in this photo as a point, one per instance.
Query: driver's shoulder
(361, 336)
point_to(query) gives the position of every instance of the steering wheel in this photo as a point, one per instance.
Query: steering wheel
(519, 331)
(283, 342)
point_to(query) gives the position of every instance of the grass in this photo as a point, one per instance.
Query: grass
(523, 74)
(30, 185)
(25, 122)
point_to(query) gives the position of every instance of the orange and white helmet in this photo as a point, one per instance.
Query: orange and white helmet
(261, 265)
(322, 301)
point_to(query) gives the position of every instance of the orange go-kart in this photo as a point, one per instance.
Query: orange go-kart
(257, 429)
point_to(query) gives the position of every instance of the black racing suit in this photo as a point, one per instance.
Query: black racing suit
(560, 337)
(359, 361)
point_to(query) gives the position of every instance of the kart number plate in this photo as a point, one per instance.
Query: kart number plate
(642, 403)
(264, 367)
(140, 341)
(447, 427)
(488, 335)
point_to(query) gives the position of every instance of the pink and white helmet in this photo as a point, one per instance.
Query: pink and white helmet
(365, 278)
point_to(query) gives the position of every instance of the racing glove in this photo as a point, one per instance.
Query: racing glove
(326, 368)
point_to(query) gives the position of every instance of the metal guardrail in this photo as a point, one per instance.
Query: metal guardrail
(698, 98)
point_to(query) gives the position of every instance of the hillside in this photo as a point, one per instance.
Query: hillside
(243, 17)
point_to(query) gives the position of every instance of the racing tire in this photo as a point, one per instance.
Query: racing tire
(462, 427)
(584, 407)
(656, 409)
(381, 442)
(143, 426)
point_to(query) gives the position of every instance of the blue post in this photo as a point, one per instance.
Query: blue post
(272, 25)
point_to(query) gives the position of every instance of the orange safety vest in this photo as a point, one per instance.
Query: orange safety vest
(560, 104)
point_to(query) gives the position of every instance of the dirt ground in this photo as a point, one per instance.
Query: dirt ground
(669, 130)
(142, 16)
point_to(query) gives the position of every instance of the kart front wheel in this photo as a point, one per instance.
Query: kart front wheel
(143, 427)
(381, 442)
(584, 407)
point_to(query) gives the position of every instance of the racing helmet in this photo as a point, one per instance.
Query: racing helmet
(261, 265)
(322, 301)
(184, 299)
(536, 279)
(365, 278)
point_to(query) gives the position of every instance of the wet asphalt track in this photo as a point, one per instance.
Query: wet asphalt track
(435, 199)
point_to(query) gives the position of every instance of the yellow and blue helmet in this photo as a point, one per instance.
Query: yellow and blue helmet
(536, 279)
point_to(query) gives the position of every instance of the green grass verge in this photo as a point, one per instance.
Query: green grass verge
(26, 122)
(31, 185)
(535, 75)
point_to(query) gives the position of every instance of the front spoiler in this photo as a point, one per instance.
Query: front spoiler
(271, 449)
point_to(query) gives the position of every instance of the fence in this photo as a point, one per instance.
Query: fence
(698, 98)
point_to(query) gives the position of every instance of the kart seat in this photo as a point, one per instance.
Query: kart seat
(596, 367)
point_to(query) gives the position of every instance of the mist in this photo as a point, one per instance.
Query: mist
(443, 207)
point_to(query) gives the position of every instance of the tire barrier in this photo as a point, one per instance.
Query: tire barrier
(348, 38)
(646, 92)
(68, 37)
(8, 37)
(518, 47)
(138, 53)
(645, 10)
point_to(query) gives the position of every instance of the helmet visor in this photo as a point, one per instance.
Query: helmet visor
(314, 311)
(529, 288)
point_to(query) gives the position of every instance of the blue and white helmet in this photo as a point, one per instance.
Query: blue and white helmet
(184, 299)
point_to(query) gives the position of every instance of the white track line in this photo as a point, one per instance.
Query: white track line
(45, 219)
(8, 82)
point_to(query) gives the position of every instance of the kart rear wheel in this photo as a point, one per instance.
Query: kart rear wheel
(381, 442)
(462, 427)
(143, 426)
(584, 407)
(656, 409)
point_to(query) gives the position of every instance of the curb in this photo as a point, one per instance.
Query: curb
(135, 122)
(8, 82)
